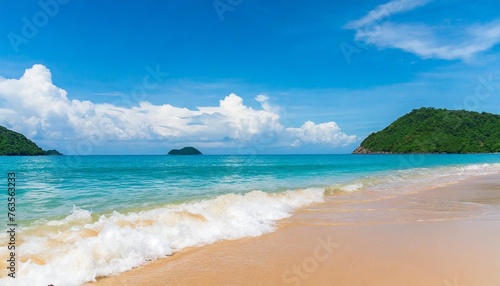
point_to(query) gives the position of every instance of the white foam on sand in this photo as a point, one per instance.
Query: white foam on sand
(80, 248)
(413, 180)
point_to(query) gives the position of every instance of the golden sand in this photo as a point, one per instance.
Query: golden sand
(446, 236)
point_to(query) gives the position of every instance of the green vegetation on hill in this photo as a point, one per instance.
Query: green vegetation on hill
(13, 143)
(52, 152)
(185, 151)
(431, 130)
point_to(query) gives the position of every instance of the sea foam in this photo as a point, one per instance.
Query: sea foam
(413, 180)
(80, 247)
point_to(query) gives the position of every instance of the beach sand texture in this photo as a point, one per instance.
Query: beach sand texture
(443, 236)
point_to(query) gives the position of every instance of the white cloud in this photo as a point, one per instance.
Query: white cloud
(264, 102)
(439, 42)
(34, 106)
(310, 132)
(386, 10)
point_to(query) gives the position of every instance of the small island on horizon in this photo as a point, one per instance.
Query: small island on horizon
(185, 151)
(436, 131)
(16, 144)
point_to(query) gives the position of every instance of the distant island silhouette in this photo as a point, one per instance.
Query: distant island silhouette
(185, 151)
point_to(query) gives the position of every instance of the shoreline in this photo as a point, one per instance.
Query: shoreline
(443, 235)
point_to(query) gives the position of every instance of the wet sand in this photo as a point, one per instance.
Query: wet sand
(446, 236)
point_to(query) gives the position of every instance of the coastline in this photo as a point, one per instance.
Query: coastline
(360, 150)
(442, 236)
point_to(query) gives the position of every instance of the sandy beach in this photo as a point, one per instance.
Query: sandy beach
(442, 236)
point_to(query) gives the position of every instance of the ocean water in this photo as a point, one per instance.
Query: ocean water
(84, 217)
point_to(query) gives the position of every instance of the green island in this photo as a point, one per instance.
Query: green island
(185, 151)
(432, 130)
(16, 144)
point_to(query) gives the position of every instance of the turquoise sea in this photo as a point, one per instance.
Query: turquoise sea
(80, 217)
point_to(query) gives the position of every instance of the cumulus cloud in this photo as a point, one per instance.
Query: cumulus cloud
(310, 132)
(34, 106)
(439, 41)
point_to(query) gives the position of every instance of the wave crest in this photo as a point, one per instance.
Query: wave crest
(76, 249)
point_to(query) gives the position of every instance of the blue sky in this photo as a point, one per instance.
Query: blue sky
(141, 77)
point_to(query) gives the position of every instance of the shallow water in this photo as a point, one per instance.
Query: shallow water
(83, 217)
